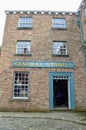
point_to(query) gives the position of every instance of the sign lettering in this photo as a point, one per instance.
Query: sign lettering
(42, 64)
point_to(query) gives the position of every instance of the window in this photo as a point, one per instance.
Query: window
(23, 47)
(20, 88)
(60, 48)
(59, 23)
(85, 12)
(25, 22)
(85, 60)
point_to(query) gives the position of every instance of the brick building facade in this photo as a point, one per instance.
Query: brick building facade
(42, 64)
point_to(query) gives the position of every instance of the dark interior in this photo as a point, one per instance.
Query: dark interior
(60, 88)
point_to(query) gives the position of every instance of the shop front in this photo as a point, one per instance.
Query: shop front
(61, 84)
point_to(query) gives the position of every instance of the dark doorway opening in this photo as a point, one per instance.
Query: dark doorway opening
(60, 92)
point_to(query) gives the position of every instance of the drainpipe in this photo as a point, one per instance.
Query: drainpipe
(83, 42)
(80, 25)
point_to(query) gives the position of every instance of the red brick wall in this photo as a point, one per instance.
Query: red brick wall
(41, 35)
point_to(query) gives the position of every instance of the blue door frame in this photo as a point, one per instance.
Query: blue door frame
(70, 91)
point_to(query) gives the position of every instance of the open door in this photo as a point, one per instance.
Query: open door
(60, 93)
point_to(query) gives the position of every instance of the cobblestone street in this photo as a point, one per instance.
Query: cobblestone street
(42, 121)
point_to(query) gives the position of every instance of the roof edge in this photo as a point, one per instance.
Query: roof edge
(80, 6)
(39, 12)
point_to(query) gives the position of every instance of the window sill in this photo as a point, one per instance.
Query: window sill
(24, 28)
(56, 55)
(63, 29)
(22, 54)
(19, 100)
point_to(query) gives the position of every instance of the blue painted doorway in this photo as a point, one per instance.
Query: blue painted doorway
(61, 90)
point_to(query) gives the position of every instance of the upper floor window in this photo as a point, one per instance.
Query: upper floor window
(59, 23)
(25, 22)
(21, 85)
(23, 47)
(85, 12)
(60, 48)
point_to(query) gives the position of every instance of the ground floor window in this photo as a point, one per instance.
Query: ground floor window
(85, 60)
(21, 85)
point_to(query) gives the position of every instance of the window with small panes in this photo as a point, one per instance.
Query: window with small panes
(59, 23)
(25, 22)
(21, 85)
(23, 47)
(60, 48)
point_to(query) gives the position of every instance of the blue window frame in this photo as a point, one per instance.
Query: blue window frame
(23, 47)
(59, 23)
(25, 22)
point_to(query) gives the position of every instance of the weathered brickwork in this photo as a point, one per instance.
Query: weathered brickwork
(41, 36)
(83, 19)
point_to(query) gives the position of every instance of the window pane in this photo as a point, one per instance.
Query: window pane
(23, 47)
(85, 12)
(25, 22)
(58, 23)
(20, 89)
(60, 48)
